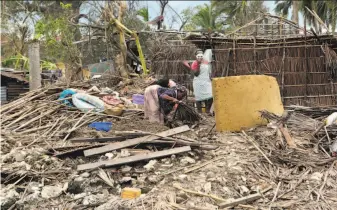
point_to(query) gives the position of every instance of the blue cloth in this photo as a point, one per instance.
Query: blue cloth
(65, 94)
(101, 126)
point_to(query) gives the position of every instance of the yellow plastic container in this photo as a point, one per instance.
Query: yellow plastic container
(130, 193)
(238, 100)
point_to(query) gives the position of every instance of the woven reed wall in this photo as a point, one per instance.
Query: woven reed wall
(303, 73)
(168, 63)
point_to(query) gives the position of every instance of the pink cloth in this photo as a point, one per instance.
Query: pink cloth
(111, 100)
(151, 105)
(195, 65)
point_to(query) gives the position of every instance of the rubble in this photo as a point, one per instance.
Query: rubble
(187, 160)
(41, 152)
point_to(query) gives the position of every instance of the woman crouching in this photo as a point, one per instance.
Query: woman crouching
(160, 101)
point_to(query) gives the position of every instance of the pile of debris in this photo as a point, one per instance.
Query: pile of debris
(44, 139)
(51, 158)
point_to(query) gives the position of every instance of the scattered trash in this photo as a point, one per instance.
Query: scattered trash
(331, 119)
(126, 169)
(35, 151)
(101, 126)
(66, 94)
(125, 179)
(130, 193)
(109, 155)
(150, 165)
(138, 99)
(333, 148)
(114, 110)
(86, 102)
(112, 100)
(51, 191)
(187, 160)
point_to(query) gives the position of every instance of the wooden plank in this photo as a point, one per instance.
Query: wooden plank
(135, 158)
(75, 152)
(243, 200)
(131, 142)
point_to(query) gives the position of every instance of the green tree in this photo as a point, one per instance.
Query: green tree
(239, 13)
(186, 16)
(57, 36)
(144, 13)
(206, 17)
(326, 10)
(283, 7)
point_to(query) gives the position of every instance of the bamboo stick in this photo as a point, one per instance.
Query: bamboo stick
(266, 48)
(316, 96)
(282, 71)
(257, 147)
(34, 129)
(306, 59)
(16, 114)
(23, 116)
(37, 118)
(74, 127)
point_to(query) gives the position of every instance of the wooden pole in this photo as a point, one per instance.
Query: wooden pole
(34, 65)
(234, 57)
(282, 66)
(255, 54)
(306, 59)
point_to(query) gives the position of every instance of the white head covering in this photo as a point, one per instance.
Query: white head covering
(199, 55)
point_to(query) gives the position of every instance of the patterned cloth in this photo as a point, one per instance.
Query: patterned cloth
(151, 105)
(165, 105)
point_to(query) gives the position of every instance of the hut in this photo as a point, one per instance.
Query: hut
(13, 83)
(304, 63)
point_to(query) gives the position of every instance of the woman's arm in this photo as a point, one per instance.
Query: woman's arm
(169, 98)
(195, 67)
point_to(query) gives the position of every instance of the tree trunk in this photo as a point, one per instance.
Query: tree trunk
(163, 4)
(123, 70)
(34, 66)
(294, 16)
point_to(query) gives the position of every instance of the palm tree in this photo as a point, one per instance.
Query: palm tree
(326, 10)
(283, 7)
(207, 17)
(144, 13)
(240, 12)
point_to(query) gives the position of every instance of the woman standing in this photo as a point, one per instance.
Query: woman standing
(202, 84)
(159, 101)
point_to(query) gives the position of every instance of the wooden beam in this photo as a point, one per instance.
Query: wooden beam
(287, 136)
(131, 142)
(135, 158)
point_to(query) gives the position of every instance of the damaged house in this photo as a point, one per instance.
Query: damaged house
(304, 63)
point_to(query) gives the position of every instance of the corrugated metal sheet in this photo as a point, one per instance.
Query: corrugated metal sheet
(100, 68)
(3, 93)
